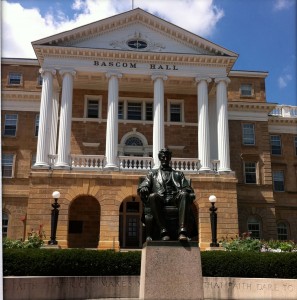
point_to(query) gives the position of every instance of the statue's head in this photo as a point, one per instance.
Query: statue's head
(165, 156)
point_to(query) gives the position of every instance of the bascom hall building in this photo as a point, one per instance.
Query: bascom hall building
(88, 117)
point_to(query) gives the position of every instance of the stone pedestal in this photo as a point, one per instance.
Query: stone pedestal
(171, 270)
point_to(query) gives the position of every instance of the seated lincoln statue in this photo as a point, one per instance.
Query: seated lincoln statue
(165, 192)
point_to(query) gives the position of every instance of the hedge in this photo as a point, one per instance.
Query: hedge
(79, 262)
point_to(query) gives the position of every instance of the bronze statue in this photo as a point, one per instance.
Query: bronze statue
(162, 190)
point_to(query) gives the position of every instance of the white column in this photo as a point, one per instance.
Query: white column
(203, 124)
(65, 119)
(111, 147)
(223, 130)
(158, 128)
(53, 140)
(45, 120)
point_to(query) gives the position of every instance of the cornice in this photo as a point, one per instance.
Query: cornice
(257, 74)
(274, 120)
(252, 106)
(140, 57)
(20, 95)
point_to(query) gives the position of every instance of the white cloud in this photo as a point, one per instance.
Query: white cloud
(283, 4)
(284, 80)
(21, 26)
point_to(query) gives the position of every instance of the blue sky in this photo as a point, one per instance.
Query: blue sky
(263, 33)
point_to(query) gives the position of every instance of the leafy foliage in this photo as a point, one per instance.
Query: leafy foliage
(35, 240)
(247, 243)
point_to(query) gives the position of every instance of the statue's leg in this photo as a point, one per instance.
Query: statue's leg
(184, 205)
(149, 224)
(156, 205)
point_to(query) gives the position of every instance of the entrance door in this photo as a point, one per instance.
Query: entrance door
(130, 224)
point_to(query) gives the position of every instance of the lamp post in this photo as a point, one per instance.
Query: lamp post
(213, 221)
(54, 218)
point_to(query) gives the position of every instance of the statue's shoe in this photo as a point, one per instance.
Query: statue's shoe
(182, 237)
(166, 238)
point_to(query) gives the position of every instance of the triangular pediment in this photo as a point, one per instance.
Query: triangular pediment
(135, 30)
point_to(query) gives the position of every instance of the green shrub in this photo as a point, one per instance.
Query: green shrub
(249, 264)
(80, 262)
(69, 262)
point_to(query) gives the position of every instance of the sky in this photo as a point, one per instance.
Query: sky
(262, 32)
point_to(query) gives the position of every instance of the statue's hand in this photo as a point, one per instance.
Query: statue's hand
(144, 191)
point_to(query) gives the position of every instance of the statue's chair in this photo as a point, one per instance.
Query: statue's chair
(171, 215)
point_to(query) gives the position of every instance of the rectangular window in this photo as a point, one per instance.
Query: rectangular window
(7, 165)
(33, 160)
(250, 172)
(149, 111)
(134, 111)
(278, 181)
(14, 78)
(175, 112)
(276, 146)
(295, 142)
(36, 124)
(93, 109)
(39, 80)
(10, 125)
(4, 224)
(248, 134)
(246, 90)
(121, 110)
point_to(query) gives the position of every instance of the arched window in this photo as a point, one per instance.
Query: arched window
(282, 231)
(134, 141)
(254, 227)
(4, 224)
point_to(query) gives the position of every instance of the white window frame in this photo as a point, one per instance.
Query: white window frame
(10, 163)
(248, 134)
(182, 113)
(278, 176)
(36, 130)
(246, 90)
(143, 102)
(9, 120)
(249, 172)
(279, 141)
(14, 76)
(93, 98)
(5, 221)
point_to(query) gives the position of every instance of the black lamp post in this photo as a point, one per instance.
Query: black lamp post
(54, 219)
(213, 221)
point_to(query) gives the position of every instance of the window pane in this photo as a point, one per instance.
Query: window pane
(15, 78)
(278, 181)
(93, 109)
(295, 145)
(175, 112)
(36, 125)
(133, 141)
(7, 164)
(4, 224)
(275, 141)
(149, 111)
(282, 231)
(134, 111)
(10, 124)
(246, 90)
(254, 227)
(248, 134)
(250, 173)
(121, 111)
